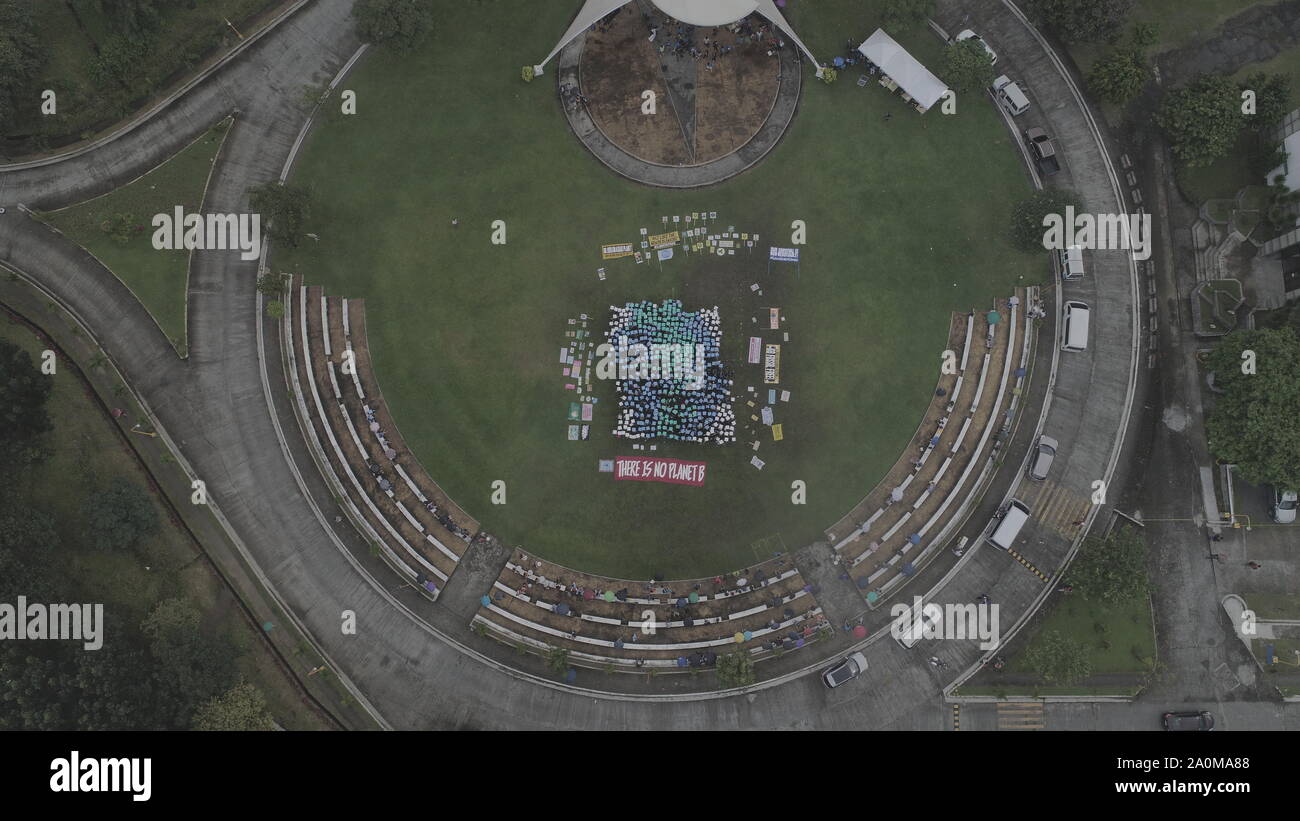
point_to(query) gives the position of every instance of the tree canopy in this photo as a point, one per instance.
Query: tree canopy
(240, 709)
(736, 669)
(284, 209)
(120, 516)
(1082, 20)
(967, 66)
(24, 391)
(1202, 120)
(1254, 421)
(403, 24)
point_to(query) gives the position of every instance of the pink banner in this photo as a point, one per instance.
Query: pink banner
(755, 349)
(651, 469)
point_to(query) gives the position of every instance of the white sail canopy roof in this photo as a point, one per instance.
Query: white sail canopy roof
(693, 12)
(707, 12)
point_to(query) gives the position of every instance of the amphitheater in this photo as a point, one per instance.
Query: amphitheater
(459, 625)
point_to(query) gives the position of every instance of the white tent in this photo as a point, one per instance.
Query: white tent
(904, 69)
(694, 12)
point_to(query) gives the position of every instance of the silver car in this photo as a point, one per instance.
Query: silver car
(1044, 454)
(852, 667)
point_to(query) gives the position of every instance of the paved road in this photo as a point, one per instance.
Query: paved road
(215, 407)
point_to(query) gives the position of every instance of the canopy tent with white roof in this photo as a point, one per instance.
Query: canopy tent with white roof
(692, 12)
(904, 69)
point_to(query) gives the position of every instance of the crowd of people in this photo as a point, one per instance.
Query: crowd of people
(386, 485)
(711, 45)
(695, 407)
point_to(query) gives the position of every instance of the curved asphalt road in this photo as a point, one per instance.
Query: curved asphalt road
(215, 409)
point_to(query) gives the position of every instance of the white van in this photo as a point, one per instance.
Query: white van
(1071, 262)
(916, 622)
(1004, 535)
(1076, 327)
(1010, 96)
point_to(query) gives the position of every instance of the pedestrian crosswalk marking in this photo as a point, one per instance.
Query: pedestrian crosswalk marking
(1056, 507)
(1021, 715)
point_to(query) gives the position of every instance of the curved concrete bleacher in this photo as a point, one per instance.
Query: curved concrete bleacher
(911, 516)
(764, 610)
(398, 510)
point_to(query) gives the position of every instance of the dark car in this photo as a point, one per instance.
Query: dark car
(1188, 721)
(1040, 145)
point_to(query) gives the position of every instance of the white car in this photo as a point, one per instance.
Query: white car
(970, 35)
(852, 667)
(1284, 506)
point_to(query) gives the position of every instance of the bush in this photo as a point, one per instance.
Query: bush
(901, 15)
(736, 669)
(1082, 20)
(1118, 76)
(284, 209)
(275, 309)
(557, 658)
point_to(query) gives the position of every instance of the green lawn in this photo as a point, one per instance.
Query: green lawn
(1274, 605)
(1128, 632)
(157, 278)
(86, 457)
(906, 222)
(73, 33)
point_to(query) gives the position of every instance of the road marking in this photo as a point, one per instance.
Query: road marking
(1029, 566)
(1058, 508)
(956, 717)
(1021, 715)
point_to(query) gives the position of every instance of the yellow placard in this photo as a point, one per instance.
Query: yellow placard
(777, 433)
(664, 240)
(616, 250)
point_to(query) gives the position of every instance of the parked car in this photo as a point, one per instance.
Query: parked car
(852, 667)
(1188, 721)
(1284, 506)
(1044, 454)
(1043, 150)
(967, 34)
(1010, 96)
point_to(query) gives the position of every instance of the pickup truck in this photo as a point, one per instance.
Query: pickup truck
(1044, 153)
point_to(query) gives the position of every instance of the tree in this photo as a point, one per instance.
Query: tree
(1057, 659)
(1027, 227)
(1202, 120)
(403, 24)
(1082, 20)
(24, 390)
(271, 285)
(120, 516)
(967, 66)
(1253, 424)
(901, 15)
(1118, 76)
(275, 309)
(736, 669)
(1272, 99)
(191, 666)
(1112, 569)
(21, 56)
(240, 709)
(26, 534)
(557, 658)
(284, 209)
